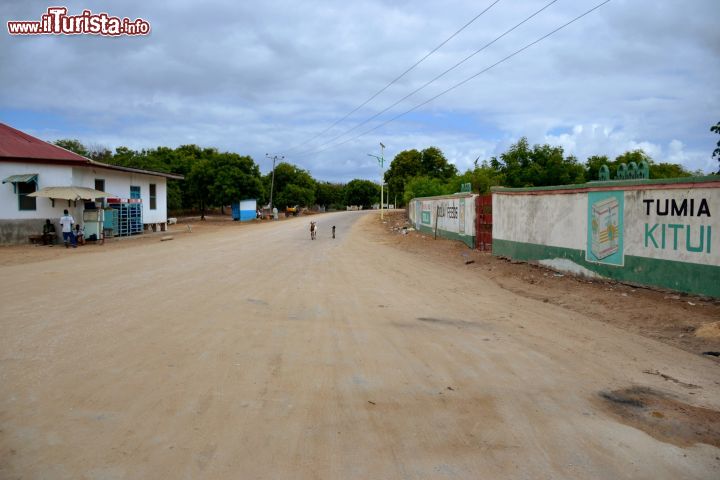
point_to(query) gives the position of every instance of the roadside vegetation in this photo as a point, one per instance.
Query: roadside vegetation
(214, 179)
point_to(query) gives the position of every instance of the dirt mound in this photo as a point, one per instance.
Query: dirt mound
(709, 330)
(663, 417)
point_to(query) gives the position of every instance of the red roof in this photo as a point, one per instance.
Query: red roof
(18, 146)
(15, 144)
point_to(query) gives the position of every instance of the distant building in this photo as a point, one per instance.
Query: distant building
(28, 164)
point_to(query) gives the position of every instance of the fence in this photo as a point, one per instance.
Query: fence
(662, 233)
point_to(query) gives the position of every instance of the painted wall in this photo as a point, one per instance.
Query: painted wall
(455, 215)
(646, 232)
(118, 183)
(17, 225)
(244, 210)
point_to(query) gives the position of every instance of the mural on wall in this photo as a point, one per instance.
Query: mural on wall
(605, 228)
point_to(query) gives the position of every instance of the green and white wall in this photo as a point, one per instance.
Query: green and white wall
(663, 233)
(455, 216)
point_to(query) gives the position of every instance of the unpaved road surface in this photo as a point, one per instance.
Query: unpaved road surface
(254, 352)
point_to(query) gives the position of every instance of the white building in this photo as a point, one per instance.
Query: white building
(28, 164)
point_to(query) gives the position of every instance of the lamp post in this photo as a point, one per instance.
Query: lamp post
(381, 162)
(272, 182)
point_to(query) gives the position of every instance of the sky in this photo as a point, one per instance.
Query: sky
(270, 77)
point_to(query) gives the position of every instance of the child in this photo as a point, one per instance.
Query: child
(333, 231)
(79, 235)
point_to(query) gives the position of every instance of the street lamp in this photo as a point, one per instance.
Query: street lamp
(272, 183)
(381, 162)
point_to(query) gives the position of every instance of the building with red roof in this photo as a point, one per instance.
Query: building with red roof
(40, 180)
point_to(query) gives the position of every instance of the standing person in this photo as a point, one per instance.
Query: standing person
(66, 223)
(48, 235)
(333, 231)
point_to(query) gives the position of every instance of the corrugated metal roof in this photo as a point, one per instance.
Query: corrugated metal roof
(19, 146)
(16, 144)
(24, 178)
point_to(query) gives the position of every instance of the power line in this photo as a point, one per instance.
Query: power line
(364, 122)
(467, 79)
(398, 77)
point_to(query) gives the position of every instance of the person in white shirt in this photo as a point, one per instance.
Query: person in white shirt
(66, 222)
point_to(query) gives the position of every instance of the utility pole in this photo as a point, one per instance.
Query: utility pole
(381, 162)
(272, 182)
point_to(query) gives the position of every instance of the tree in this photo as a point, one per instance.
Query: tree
(199, 180)
(330, 195)
(234, 178)
(73, 145)
(657, 170)
(407, 164)
(592, 167)
(362, 192)
(481, 178)
(716, 153)
(286, 174)
(541, 165)
(435, 165)
(424, 186)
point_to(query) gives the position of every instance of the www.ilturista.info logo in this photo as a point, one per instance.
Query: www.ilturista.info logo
(57, 22)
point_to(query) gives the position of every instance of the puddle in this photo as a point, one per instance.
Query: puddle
(663, 417)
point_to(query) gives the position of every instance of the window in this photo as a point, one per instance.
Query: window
(153, 197)
(134, 191)
(25, 202)
(100, 185)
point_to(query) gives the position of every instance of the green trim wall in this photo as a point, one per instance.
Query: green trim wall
(468, 240)
(692, 278)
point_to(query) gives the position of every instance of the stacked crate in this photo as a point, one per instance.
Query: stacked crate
(128, 214)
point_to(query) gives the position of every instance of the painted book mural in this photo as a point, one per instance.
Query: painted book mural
(605, 228)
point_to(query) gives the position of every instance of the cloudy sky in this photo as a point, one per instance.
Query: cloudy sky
(271, 76)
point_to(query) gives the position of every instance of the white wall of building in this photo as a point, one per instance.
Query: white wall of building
(48, 176)
(116, 182)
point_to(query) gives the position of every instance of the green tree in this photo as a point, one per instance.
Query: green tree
(405, 165)
(435, 165)
(592, 167)
(481, 178)
(541, 165)
(424, 186)
(362, 192)
(286, 174)
(657, 170)
(234, 178)
(200, 180)
(73, 145)
(330, 195)
(430, 162)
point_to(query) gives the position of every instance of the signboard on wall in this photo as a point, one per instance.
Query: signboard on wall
(674, 225)
(605, 228)
(426, 216)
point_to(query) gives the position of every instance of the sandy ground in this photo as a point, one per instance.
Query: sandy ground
(250, 351)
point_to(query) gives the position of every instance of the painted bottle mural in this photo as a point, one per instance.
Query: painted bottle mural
(605, 228)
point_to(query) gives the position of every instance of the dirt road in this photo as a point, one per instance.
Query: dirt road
(254, 352)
